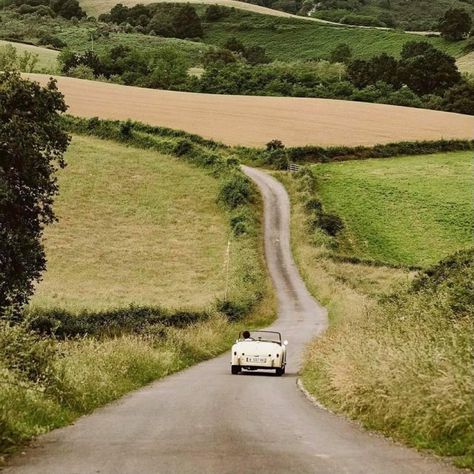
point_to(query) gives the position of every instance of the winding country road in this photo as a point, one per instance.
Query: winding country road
(204, 420)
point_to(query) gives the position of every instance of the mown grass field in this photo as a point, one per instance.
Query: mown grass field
(289, 39)
(46, 57)
(413, 210)
(134, 227)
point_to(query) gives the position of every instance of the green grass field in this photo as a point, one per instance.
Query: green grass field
(412, 210)
(46, 57)
(288, 39)
(134, 227)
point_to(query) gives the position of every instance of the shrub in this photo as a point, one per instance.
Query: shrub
(330, 224)
(236, 190)
(183, 147)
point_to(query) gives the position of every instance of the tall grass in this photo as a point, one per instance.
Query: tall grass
(399, 364)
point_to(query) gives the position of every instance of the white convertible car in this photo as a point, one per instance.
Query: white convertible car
(259, 350)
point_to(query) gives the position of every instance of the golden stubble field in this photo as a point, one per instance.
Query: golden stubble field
(254, 121)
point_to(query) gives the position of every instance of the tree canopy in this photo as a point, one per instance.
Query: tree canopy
(32, 145)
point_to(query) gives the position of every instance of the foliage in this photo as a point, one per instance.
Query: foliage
(342, 53)
(424, 69)
(170, 20)
(456, 24)
(236, 190)
(66, 8)
(315, 154)
(27, 182)
(411, 16)
(10, 60)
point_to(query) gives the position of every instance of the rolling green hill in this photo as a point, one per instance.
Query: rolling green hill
(413, 210)
(131, 231)
(411, 15)
(289, 39)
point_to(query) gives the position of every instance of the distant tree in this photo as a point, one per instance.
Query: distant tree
(215, 12)
(363, 73)
(162, 25)
(416, 48)
(187, 23)
(168, 70)
(235, 45)
(218, 56)
(341, 54)
(455, 24)
(460, 99)
(32, 145)
(432, 72)
(256, 55)
(68, 8)
(119, 14)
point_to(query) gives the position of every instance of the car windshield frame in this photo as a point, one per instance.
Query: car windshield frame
(254, 336)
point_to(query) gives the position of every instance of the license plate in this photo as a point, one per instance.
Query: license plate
(257, 360)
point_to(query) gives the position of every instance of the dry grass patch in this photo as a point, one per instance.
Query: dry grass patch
(134, 227)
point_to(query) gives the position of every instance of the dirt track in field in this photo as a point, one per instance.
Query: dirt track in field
(254, 121)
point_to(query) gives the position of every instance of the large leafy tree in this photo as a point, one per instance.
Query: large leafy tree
(427, 70)
(187, 23)
(455, 24)
(32, 145)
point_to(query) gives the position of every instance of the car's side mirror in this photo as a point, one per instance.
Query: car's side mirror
(285, 342)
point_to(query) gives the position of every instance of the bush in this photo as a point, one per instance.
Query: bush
(330, 224)
(236, 190)
(51, 40)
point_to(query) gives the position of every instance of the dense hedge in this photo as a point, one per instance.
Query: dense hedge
(134, 319)
(317, 154)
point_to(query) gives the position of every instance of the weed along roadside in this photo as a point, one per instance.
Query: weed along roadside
(397, 354)
(65, 361)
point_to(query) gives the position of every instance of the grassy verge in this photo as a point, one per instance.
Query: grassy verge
(399, 364)
(65, 361)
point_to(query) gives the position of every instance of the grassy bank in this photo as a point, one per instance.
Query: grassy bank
(411, 210)
(398, 364)
(133, 227)
(167, 211)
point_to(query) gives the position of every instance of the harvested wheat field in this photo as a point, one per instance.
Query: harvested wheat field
(254, 121)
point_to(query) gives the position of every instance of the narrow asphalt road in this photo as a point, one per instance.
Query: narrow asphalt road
(205, 420)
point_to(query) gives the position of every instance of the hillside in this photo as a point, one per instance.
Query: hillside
(290, 39)
(130, 231)
(412, 15)
(411, 211)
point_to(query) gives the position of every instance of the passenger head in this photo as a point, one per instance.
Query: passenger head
(245, 334)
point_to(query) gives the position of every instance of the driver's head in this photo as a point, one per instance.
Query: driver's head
(246, 334)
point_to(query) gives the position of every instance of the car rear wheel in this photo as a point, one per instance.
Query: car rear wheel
(235, 369)
(280, 372)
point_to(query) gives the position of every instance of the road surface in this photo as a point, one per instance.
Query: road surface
(254, 121)
(205, 420)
